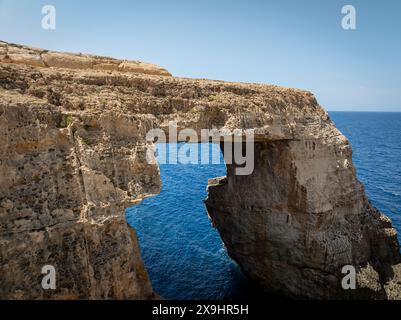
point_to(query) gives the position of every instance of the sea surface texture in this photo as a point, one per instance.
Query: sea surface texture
(185, 256)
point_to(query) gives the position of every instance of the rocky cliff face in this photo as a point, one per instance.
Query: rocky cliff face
(73, 157)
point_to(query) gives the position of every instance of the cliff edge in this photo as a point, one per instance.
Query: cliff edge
(73, 135)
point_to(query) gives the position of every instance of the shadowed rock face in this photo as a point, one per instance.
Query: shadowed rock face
(73, 157)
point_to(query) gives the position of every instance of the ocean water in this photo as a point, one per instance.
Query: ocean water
(185, 256)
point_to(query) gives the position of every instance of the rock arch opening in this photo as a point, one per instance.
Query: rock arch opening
(183, 253)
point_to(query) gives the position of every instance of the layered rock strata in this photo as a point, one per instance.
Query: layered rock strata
(73, 157)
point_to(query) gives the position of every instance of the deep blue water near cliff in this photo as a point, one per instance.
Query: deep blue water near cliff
(184, 254)
(376, 142)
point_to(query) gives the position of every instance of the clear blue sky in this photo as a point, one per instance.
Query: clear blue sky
(291, 43)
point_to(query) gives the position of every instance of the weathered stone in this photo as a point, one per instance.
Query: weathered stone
(24, 55)
(73, 157)
(44, 58)
(141, 67)
(300, 217)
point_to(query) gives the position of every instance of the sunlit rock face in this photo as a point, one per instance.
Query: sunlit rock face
(300, 217)
(73, 135)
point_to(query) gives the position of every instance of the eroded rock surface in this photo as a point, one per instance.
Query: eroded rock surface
(300, 217)
(73, 157)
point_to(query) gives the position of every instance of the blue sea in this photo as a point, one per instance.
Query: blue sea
(185, 256)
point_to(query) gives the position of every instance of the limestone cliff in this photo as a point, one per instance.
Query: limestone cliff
(72, 131)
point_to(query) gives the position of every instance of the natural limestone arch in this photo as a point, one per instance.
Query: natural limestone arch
(299, 218)
(73, 134)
